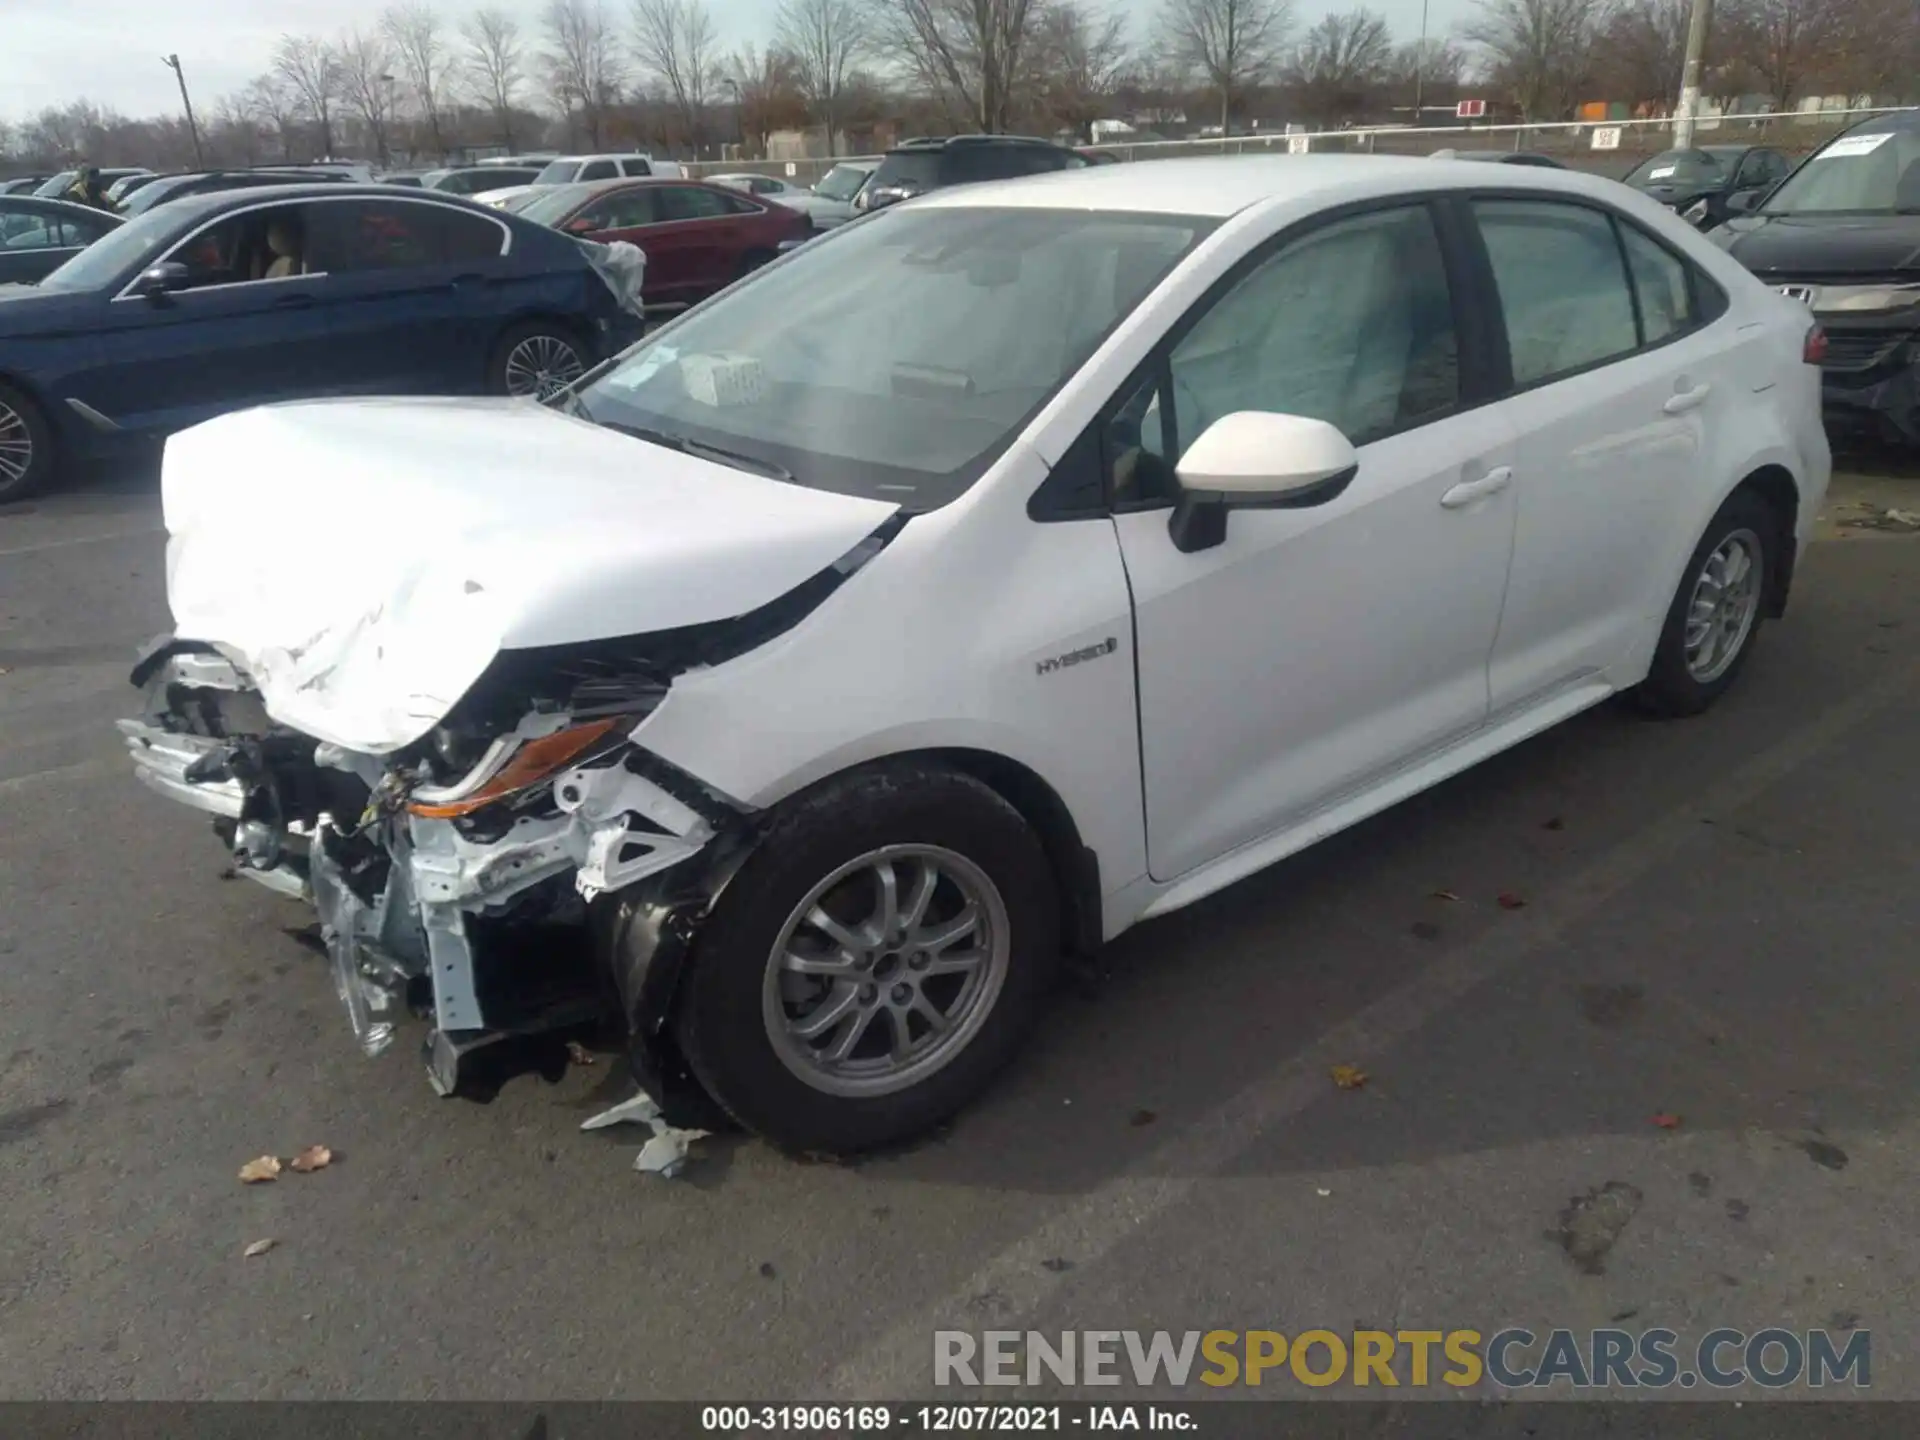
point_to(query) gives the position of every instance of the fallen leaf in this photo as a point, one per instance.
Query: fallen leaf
(1348, 1077)
(256, 1172)
(314, 1157)
(1140, 1118)
(1666, 1121)
(258, 1247)
(1556, 823)
(1507, 900)
(1057, 1265)
(1322, 1192)
(1446, 895)
(767, 1272)
(578, 1054)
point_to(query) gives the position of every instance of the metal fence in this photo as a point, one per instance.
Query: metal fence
(1608, 147)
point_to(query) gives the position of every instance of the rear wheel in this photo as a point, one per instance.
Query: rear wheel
(874, 963)
(1715, 617)
(26, 446)
(536, 361)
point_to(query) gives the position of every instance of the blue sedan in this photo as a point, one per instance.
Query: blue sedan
(218, 302)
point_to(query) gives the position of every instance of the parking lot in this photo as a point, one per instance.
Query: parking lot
(1700, 985)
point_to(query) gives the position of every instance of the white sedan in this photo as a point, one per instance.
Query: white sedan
(1035, 559)
(825, 211)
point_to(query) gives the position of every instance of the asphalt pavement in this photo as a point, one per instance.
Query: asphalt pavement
(1700, 989)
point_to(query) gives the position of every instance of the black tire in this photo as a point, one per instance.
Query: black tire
(539, 335)
(721, 1025)
(1671, 689)
(21, 423)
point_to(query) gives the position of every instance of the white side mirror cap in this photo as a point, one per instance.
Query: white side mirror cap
(1255, 457)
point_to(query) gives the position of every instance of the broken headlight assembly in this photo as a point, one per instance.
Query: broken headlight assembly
(514, 764)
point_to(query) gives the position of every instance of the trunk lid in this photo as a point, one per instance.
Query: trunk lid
(365, 560)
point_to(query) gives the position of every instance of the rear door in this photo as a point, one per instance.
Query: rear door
(1617, 375)
(230, 340)
(702, 235)
(411, 291)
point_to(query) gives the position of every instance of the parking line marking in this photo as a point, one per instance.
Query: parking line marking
(1013, 1284)
(80, 770)
(82, 540)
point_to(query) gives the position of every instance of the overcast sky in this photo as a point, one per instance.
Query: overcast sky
(52, 51)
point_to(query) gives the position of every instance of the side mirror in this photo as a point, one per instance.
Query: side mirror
(162, 279)
(1254, 459)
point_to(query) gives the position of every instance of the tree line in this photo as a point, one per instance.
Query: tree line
(419, 84)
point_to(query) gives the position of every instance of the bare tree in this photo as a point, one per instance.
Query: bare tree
(1643, 48)
(236, 128)
(583, 62)
(495, 64)
(969, 54)
(675, 44)
(275, 107)
(1432, 64)
(1339, 60)
(1078, 57)
(1233, 45)
(414, 31)
(366, 85)
(1537, 50)
(1786, 43)
(826, 39)
(769, 94)
(312, 70)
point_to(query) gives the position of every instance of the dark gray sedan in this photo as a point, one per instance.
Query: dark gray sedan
(38, 236)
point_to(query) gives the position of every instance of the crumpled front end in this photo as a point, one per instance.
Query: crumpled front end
(452, 877)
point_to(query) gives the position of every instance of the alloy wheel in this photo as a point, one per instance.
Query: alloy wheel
(541, 366)
(886, 970)
(16, 446)
(1723, 606)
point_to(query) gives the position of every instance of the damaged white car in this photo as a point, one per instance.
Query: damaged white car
(1028, 561)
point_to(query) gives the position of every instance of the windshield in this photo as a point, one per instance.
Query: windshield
(558, 172)
(842, 182)
(1865, 172)
(909, 169)
(902, 358)
(552, 205)
(1680, 167)
(118, 250)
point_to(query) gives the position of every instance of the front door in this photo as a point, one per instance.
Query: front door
(1316, 650)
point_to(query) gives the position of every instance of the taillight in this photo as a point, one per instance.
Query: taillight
(1814, 352)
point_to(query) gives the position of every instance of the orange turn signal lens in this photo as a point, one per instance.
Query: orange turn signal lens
(531, 763)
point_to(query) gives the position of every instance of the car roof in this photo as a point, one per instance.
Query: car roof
(943, 142)
(49, 205)
(1220, 186)
(603, 155)
(217, 200)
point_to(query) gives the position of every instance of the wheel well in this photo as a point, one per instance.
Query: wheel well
(1076, 869)
(1774, 485)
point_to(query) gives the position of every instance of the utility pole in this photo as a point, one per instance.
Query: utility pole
(1689, 110)
(1420, 66)
(172, 62)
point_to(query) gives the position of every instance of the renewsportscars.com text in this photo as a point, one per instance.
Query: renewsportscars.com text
(1515, 1358)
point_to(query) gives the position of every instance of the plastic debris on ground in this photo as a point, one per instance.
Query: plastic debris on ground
(667, 1152)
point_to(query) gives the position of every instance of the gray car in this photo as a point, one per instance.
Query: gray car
(38, 236)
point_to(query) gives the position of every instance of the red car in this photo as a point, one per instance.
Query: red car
(697, 238)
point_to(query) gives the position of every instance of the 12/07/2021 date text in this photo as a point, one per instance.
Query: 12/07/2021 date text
(939, 1419)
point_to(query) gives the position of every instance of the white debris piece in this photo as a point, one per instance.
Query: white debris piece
(666, 1153)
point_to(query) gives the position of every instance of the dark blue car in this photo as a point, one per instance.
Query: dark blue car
(217, 302)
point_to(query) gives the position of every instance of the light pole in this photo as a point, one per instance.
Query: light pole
(172, 62)
(739, 116)
(386, 155)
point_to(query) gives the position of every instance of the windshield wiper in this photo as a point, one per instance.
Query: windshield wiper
(701, 450)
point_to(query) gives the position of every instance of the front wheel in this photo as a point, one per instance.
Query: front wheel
(874, 963)
(536, 361)
(26, 447)
(1715, 616)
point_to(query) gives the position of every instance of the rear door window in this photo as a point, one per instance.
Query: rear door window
(1563, 286)
(916, 169)
(637, 167)
(685, 202)
(598, 170)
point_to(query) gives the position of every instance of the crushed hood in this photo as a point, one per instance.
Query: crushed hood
(365, 560)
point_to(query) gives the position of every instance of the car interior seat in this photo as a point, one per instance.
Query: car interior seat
(283, 240)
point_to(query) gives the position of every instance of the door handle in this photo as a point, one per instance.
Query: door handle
(1468, 491)
(1686, 400)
